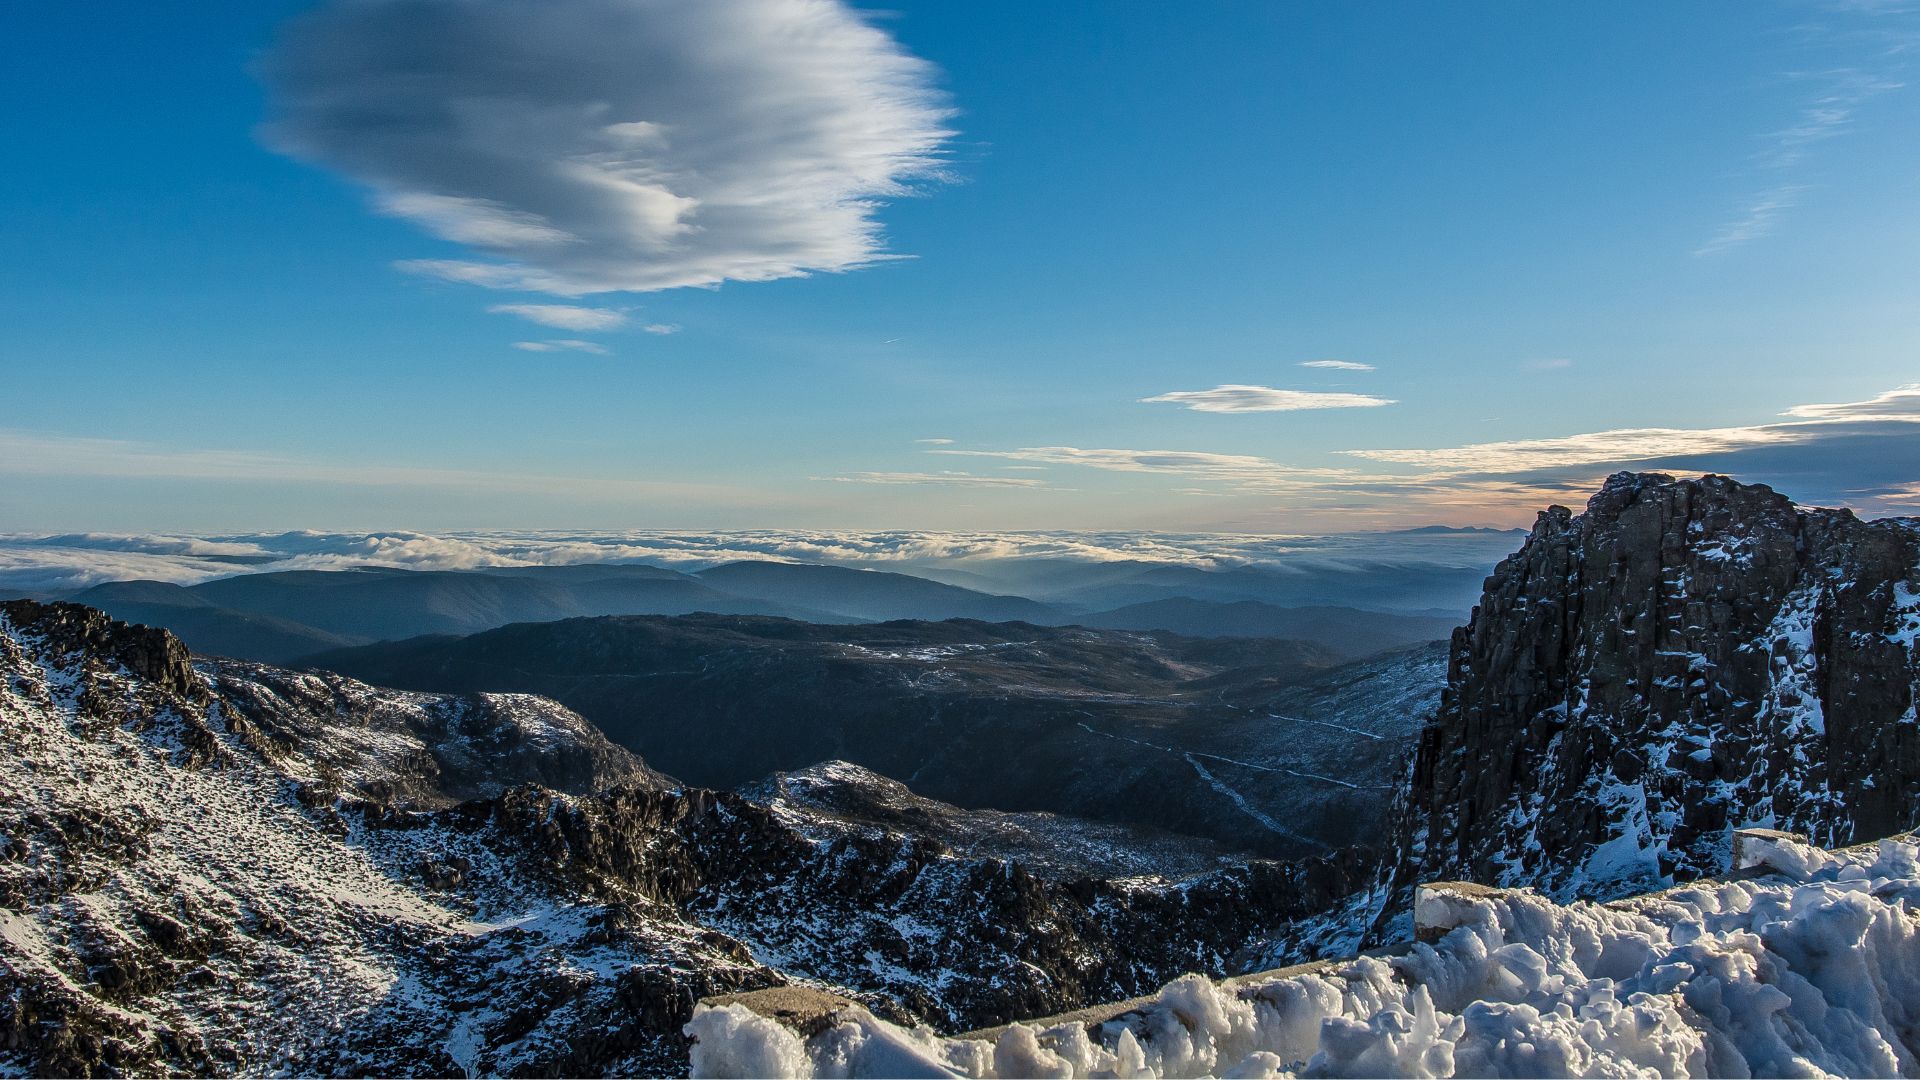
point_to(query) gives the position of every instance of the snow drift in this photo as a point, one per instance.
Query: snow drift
(1812, 968)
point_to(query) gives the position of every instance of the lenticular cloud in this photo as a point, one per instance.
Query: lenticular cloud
(588, 146)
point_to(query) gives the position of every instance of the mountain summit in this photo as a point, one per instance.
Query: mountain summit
(1684, 657)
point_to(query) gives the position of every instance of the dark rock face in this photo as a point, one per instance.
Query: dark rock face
(1682, 658)
(155, 656)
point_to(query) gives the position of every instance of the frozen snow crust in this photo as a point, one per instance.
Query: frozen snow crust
(1810, 968)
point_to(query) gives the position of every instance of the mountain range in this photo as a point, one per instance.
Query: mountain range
(1135, 728)
(285, 616)
(217, 866)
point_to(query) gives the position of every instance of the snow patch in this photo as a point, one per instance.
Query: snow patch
(1813, 970)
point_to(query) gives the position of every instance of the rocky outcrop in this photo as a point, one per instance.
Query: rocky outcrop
(905, 924)
(89, 636)
(423, 750)
(1684, 657)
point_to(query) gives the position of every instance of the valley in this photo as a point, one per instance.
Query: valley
(1138, 729)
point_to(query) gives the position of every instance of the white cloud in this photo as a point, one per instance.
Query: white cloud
(1859, 453)
(1808, 423)
(1901, 403)
(1337, 365)
(1757, 218)
(935, 442)
(1828, 113)
(1243, 399)
(939, 479)
(564, 316)
(562, 345)
(1551, 363)
(605, 145)
(661, 328)
(1590, 448)
(480, 222)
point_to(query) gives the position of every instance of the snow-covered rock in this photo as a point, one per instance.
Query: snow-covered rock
(1814, 972)
(180, 891)
(1683, 659)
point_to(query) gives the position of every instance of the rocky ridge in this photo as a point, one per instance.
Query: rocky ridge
(1684, 657)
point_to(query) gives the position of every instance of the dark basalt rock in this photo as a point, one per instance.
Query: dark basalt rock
(154, 656)
(1684, 657)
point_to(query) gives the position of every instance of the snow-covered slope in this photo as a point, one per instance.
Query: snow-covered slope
(1812, 969)
(180, 891)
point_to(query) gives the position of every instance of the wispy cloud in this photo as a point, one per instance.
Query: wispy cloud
(1337, 365)
(1235, 398)
(563, 345)
(936, 479)
(1828, 115)
(603, 145)
(935, 442)
(564, 316)
(661, 328)
(1829, 110)
(1805, 423)
(1549, 363)
(1759, 217)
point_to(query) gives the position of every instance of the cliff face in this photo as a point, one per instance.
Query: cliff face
(1684, 657)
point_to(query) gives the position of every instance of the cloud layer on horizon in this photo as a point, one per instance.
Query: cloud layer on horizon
(603, 145)
(75, 561)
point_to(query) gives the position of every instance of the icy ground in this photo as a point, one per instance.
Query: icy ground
(1807, 971)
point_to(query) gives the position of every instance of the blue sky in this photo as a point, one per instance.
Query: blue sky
(1536, 225)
